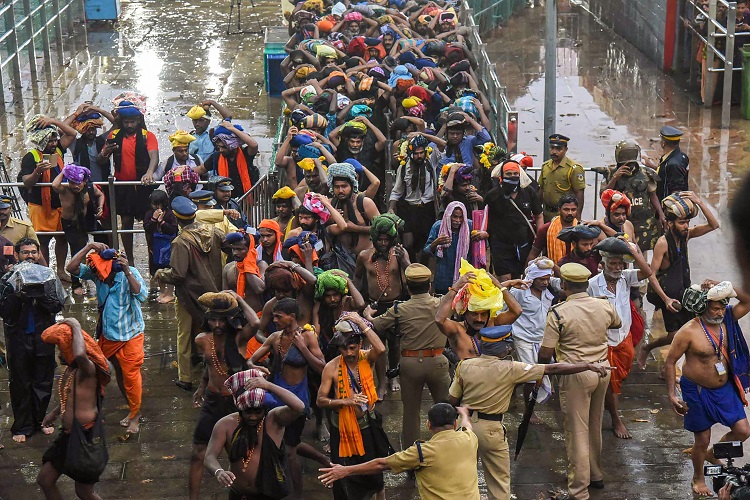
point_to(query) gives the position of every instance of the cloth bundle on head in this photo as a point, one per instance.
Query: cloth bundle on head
(61, 335)
(186, 176)
(245, 399)
(419, 92)
(316, 206)
(417, 142)
(351, 127)
(76, 173)
(336, 78)
(462, 248)
(309, 152)
(322, 51)
(37, 136)
(365, 83)
(523, 159)
(467, 105)
(613, 199)
(358, 167)
(695, 299)
(314, 120)
(352, 16)
(343, 170)
(330, 280)
(302, 71)
(85, 122)
(342, 101)
(293, 245)
(346, 331)
(307, 164)
(273, 226)
(388, 224)
(325, 26)
(300, 140)
(410, 102)
(197, 112)
(102, 264)
(539, 269)
(284, 193)
(338, 9)
(360, 110)
(677, 207)
(230, 141)
(279, 277)
(131, 103)
(221, 305)
(479, 295)
(180, 138)
(399, 73)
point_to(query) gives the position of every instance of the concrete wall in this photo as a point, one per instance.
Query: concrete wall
(644, 23)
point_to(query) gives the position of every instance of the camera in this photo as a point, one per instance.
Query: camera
(723, 474)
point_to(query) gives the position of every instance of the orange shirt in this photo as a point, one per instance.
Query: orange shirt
(127, 167)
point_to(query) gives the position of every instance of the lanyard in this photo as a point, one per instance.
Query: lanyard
(718, 349)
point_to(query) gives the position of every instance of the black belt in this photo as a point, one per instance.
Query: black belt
(495, 417)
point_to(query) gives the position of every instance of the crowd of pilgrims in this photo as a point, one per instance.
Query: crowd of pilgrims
(350, 291)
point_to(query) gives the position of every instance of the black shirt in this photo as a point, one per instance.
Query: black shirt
(34, 195)
(506, 224)
(212, 166)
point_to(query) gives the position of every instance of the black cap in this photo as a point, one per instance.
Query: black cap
(203, 197)
(578, 232)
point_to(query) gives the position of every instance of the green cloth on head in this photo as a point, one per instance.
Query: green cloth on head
(328, 280)
(389, 224)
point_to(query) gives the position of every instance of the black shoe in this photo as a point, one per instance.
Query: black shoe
(185, 386)
(599, 485)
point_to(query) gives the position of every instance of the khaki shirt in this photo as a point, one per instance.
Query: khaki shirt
(580, 333)
(416, 322)
(449, 468)
(557, 181)
(485, 384)
(16, 230)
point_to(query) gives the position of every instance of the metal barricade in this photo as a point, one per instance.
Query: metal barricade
(256, 203)
(31, 27)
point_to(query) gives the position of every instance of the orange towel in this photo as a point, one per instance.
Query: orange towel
(556, 249)
(248, 265)
(61, 335)
(621, 357)
(130, 357)
(252, 346)
(101, 267)
(350, 434)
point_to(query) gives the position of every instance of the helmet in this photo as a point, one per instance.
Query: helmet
(627, 151)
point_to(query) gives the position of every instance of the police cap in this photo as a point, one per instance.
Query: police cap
(558, 140)
(183, 208)
(575, 273)
(418, 273)
(203, 197)
(669, 133)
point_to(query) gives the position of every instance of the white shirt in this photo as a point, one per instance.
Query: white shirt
(402, 189)
(530, 324)
(621, 301)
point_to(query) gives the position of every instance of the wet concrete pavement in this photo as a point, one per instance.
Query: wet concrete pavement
(177, 54)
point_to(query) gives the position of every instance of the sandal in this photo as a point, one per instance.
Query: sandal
(153, 293)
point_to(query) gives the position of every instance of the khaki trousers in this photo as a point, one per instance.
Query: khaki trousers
(184, 343)
(415, 373)
(582, 404)
(495, 455)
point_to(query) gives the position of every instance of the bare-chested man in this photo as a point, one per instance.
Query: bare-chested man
(221, 345)
(671, 266)
(357, 209)
(81, 205)
(293, 349)
(714, 377)
(250, 286)
(463, 337)
(335, 294)
(288, 280)
(254, 439)
(86, 374)
(380, 270)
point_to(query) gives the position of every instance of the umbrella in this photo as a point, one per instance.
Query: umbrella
(523, 428)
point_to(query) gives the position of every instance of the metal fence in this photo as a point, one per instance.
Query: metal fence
(32, 28)
(256, 203)
(488, 14)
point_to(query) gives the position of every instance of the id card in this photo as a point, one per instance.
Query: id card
(720, 368)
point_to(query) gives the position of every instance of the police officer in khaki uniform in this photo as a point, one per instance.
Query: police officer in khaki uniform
(576, 332)
(485, 385)
(422, 360)
(445, 465)
(10, 227)
(560, 175)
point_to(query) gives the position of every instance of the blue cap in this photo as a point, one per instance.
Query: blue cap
(501, 333)
(183, 208)
(203, 197)
(6, 201)
(670, 133)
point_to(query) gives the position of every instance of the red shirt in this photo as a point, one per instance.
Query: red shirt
(127, 170)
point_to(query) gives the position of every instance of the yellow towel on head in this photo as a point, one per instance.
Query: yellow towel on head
(196, 112)
(284, 193)
(180, 138)
(479, 295)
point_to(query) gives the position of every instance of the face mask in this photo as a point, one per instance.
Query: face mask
(510, 186)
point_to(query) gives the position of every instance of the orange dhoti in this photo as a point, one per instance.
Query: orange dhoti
(129, 356)
(620, 356)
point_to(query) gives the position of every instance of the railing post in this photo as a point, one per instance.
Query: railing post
(113, 212)
(45, 39)
(31, 47)
(708, 87)
(726, 103)
(13, 40)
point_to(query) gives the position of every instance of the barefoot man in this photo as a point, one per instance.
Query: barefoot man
(463, 336)
(221, 345)
(120, 291)
(81, 391)
(380, 270)
(254, 439)
(714, 377)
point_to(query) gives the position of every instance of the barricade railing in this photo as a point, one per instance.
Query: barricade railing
(250, 202)
(30, 27)
(256, 203)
